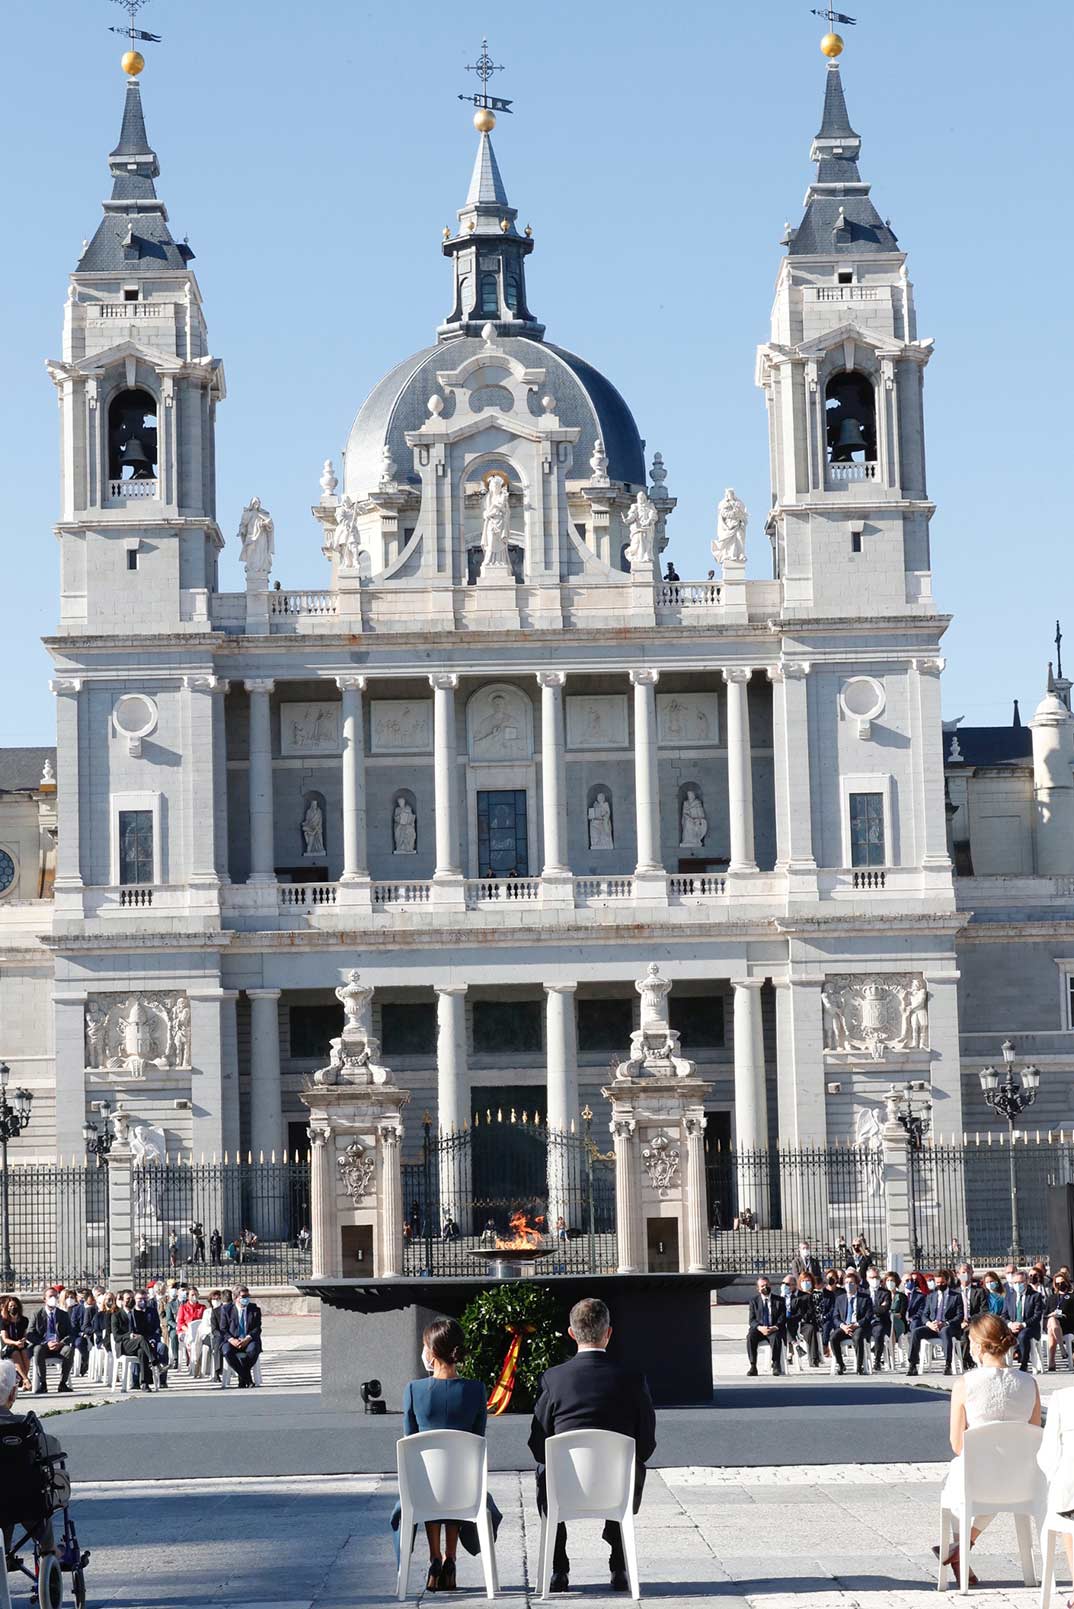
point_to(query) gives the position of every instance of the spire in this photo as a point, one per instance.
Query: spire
(489, 254)
(133, 237)
(839, 217)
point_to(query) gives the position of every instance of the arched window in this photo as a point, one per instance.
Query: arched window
(511, 292)
(850, 417)
(490, 294)
(132, 436)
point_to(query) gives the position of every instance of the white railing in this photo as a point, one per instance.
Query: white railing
(603, 890)
(306, 895)
(852, 471)
(676, 594)
(401, 894)
(303, 603)
(846, 293)
(698, 886)
(133, 897)
(128, 490)
(130, 309)
(501, 890)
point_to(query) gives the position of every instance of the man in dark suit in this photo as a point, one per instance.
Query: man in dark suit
(1023, 1309)
(853, 1322)
(591, 1392)
(242, 1338)
(146, 1322)
(82, 1312)
(767, 1325)
(51, 1341)
(221, 1307)
(880, 1325)
(807, 1262)
(972, 1302)
(935, 1319)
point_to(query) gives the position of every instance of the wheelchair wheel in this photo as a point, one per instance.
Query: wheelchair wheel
(49, 1582)
(78, 1585)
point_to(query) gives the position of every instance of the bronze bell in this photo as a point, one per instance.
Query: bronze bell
(851, 439)
(135, 457)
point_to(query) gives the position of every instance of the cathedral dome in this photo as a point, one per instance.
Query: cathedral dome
(584, 399)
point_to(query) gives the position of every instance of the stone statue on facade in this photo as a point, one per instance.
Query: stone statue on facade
(313, 828)
(404, 828)
(257, 533)
(654, 1045)
(348, 542)
(729, 545)
(96, 1021)
(695, 824)
(835, 1028)
(495, 525)
(600, 823)
(149, 1147)
(642, 518)
(180, 1024)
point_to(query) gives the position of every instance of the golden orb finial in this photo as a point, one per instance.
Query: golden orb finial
(132, 62)
(831, 46)
(447, 232)
(484, 120)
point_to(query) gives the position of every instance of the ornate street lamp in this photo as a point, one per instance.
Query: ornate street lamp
(1010, 1100)
(14, 1116)
(99, 1141)
(910, 1105)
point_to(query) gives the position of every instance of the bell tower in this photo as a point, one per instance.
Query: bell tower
(843, 377)
(138, 392)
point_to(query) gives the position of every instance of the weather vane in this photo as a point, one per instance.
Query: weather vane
(133, 61)
(485, 103)
(832, 43)
(832, 17)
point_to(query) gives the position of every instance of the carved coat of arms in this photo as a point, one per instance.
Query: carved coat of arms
(661, 1162)
(357, 1167)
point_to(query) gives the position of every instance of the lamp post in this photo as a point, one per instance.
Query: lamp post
(1010, 1100)
(911, 1107)
(99, 1141)
(14, 1116)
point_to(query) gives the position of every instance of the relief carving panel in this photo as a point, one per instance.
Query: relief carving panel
(309, 729)
(597, 721)
(874, 1014)
(400, 725)
(129, 1033)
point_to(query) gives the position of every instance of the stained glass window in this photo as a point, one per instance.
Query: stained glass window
(136, 846)
(867, 829)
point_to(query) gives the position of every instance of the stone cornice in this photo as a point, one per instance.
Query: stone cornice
(905, 921)
(193, 939)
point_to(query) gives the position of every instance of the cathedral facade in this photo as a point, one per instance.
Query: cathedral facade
(500, 757)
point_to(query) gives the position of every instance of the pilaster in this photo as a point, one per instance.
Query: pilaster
(355, 888)
(448, 891)
(650, 875)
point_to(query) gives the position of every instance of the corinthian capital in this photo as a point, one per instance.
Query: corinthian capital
(644, 678)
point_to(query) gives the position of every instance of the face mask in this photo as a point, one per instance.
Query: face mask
(50, 1301)
(873, 1282)
(892, 1285)
(181, 1295)
(931, 1283)
(244, 1301)
(427, 1360)
(140, 1303)
(851, 1290)
(1019, 1286)
(992, 1285)
(806, 1285)
(216, 1301)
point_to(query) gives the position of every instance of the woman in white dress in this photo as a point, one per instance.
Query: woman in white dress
(990, 1392)
(1056, 1459)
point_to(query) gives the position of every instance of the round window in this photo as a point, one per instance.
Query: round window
(862, 697)
(135, 715)
(7, 871)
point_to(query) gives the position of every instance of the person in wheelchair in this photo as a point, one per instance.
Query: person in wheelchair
(34, 1485)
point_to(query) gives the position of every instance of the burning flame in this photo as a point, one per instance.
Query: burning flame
(526, 1237)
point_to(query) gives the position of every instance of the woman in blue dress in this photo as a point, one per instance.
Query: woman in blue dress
(445, 1402)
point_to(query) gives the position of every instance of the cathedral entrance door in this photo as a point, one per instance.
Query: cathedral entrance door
(502, 845)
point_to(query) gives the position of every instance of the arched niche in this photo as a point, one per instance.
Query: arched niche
(313, 826)
(132, 435)
(499, 723)
(850, 417)
(600, 818)
(474, 483)
(693, 817)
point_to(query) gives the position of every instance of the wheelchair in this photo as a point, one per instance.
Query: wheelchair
(34, 1487)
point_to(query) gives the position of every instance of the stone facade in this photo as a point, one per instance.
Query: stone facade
(490, 753)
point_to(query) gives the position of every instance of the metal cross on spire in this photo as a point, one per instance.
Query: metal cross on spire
(1058, 650)
(484, 67)
(132, 8)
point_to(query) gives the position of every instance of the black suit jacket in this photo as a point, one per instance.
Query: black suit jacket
(253, 1321)
(1032, 1311)
(808, 1265)
(948, 1309)
(978, 1301)
(881, 1303)
(38, 1330)
(863, 1308)
(777, 1308)
(593, 1392)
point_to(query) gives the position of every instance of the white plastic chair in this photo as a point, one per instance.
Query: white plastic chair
(226, 1371)
(1055, 1526)
(443, 1475)
(1000, 1475)
(850, 1351)
(122, 1363)
(203, 1344)
(589, 1475)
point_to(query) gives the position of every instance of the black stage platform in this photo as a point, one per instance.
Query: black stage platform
(371, 1329)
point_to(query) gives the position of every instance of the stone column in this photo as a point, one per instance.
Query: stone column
(324, 1229)
(229, 1059)
(391, 1216)
(557, 885)
(751, 1100)
(266, 1099)
(68, 884)
(739, 770)
(201, 836)
(262, 829)
(355, 886)
(452, 1099)
(69, 1048)
(220, 776)
(447, 878)
(207, 1055)
(632, 1259)
(695, 1251)
(790, 741)
(945, 1069)
(650, 877)
(120, 1212)
(563, 1148)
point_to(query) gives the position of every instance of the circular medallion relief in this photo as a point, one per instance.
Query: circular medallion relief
(862, 698)
(135, 715)
(7, 871)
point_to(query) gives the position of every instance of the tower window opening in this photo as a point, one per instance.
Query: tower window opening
(490, 294)
(132, 559)
(130, 293)
(845, 277)
(855, 541)
(132, 436)
(850, 417)
(511, 292)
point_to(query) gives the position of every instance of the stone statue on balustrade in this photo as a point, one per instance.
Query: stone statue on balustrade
(495, 525)
(642, 518)
(404, 828)
(257, 534)
(313, 828)
(654, 1045)
(729, 545)
(600, 823)
(695, 824)
(347, 541)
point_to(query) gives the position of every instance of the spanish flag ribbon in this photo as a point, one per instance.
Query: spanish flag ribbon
(503, 1390)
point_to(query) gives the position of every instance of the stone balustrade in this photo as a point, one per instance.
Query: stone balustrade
(500, 890)
(129, 491)
(850, 471)
(304, 602)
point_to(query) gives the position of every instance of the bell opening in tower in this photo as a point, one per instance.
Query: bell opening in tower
(850, 418)
(132, 436)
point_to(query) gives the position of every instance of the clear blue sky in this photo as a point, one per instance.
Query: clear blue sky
(313, 154)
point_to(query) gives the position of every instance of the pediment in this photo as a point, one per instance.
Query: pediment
(161, 362)
(472, 424)
(821, 345)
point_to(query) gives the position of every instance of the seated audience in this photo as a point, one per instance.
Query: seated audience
(1058, 1315)
(190, 1313)
(900, 1304)
(242, 1339)
(129, 1343)
(1023, 1309)
(221, 1305)
(14, 1345)
(445, 1402)
(146, 1320)
(807, 1318)
(935, 1318)
(767, 1325)
(994, 1292)
(972, 1302)
(51, 1342)
(591, 1392)
(880, 1328)
(853, 1322)
(1056, 1460)
(992, 1392)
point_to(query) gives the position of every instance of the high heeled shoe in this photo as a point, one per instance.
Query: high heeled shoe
(448, 1582)
(436, 1570)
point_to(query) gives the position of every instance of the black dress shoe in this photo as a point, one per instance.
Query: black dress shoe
(751, 1370)
(560, 1582)
(910, 1372)
(620, 1581)
(947, 1370)
(66, 1390)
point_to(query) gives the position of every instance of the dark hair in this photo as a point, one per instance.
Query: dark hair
(12, 1307)
(590, 1321)
(445, 1340)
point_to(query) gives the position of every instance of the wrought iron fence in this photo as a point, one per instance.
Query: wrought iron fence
(762, 1202)
(961, 1197)
(472, 1187)
(259, 1211)
(53, 1225)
